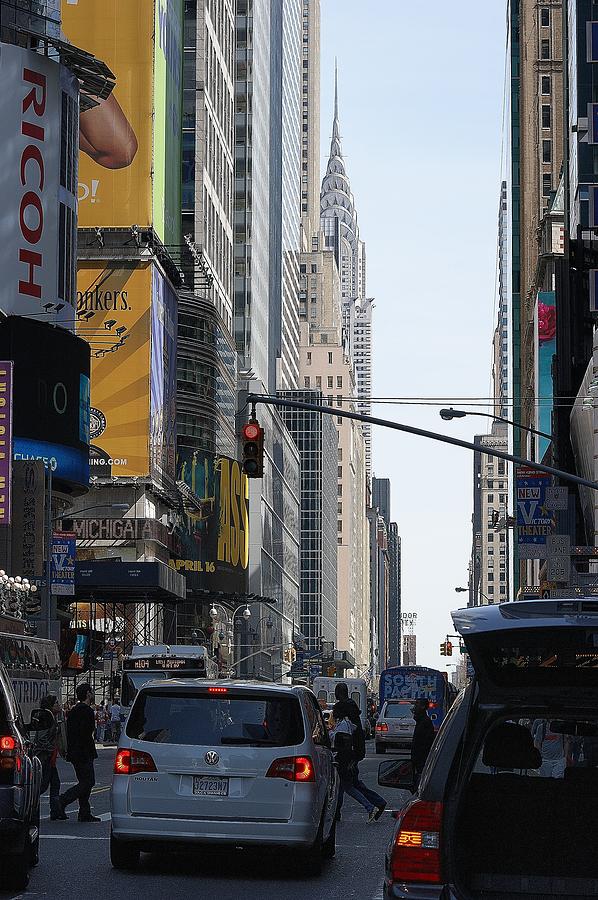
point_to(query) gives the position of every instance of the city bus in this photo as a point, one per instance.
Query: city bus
(147, 663)
(33, 666)
(409, 683)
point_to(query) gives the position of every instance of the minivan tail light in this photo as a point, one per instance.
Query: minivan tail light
(293, 768)
(415, 854)
(129, 762)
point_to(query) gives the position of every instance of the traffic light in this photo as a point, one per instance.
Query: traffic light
(443, 648)
(253, 449)
(290, 655)
(449, 648)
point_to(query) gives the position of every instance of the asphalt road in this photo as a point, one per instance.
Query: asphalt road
(74, 858)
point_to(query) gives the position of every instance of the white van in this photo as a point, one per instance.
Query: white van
(323, 688)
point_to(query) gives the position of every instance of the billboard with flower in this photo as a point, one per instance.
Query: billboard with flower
(546, 325)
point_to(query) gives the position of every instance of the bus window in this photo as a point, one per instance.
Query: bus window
(322, 695)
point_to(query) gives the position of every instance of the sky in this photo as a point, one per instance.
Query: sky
(420, 107)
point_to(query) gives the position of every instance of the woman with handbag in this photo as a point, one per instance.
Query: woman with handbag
(48, 741)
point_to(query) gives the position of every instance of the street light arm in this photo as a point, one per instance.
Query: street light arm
(253, 399)
(257, 653)
(448, 414)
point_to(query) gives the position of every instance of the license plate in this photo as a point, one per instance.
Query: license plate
(210, 787)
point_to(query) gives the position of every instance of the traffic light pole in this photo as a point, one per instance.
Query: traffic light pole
(254, 399)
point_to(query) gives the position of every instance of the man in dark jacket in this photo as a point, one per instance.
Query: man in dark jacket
(345, 708)
(81, 752)
(423, 736)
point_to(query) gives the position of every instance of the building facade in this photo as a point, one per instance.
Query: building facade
(489, 569)
(326, 366)
(316, 438)
(310, 122)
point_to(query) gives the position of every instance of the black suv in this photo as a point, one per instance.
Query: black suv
(507, 805)
(20, 781)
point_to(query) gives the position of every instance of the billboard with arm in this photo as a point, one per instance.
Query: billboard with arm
(129, 164)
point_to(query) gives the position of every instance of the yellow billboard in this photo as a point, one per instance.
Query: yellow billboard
(114, 317)
(115, 162)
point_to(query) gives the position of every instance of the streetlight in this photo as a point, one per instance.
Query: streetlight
(462, 590)
(448, 414)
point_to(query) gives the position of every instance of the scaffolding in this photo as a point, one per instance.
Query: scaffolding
(112, 628)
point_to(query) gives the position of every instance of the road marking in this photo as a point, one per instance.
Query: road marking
(379, 895)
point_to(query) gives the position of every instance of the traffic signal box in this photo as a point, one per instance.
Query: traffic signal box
(446, 648)
(253, 449)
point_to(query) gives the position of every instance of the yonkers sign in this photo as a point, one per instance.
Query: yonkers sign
(34, 202)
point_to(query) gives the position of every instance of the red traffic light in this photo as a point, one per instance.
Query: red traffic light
(253, 449)
(251, 431)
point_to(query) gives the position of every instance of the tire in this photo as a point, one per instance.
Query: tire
(15, 870)
(380, 748)
(329, 845)
(122, 855)
(312, 859)
(34, 847)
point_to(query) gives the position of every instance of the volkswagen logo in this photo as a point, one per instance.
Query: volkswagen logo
(212, 758)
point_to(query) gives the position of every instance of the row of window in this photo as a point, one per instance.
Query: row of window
(339, 381)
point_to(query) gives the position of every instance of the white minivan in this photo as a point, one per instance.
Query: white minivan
(224, 762)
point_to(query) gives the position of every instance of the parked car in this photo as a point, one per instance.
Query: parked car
(395, 725)
(507, 804)
(225, 762)
(20, 782)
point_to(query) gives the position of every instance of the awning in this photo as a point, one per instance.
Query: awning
(141, 582)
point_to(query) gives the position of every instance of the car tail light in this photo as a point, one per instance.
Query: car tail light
(382, 727)
(11, 758)
(293, 768)
(129, 762)
(415, 854)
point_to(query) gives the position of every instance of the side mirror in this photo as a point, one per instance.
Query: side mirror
(397, 774)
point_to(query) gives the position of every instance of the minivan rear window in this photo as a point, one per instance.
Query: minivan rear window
(199, 718)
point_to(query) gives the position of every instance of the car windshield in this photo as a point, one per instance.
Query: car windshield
(168, 717)
(398, 711)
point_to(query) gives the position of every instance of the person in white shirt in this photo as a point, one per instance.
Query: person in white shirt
(115, 720)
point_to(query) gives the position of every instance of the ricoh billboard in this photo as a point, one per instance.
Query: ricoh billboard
(39, 122)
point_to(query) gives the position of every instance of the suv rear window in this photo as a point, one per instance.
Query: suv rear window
(397, 710)
(553, 656)
(199, 718)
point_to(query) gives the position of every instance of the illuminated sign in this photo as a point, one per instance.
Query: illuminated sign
(64, 462)
(163, 663)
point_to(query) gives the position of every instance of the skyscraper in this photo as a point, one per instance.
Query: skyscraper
(338, 222)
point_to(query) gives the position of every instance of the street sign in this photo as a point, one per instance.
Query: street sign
(62, 569)
(559, 569)
(557, 498)
(534, 521)
(558, 545)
